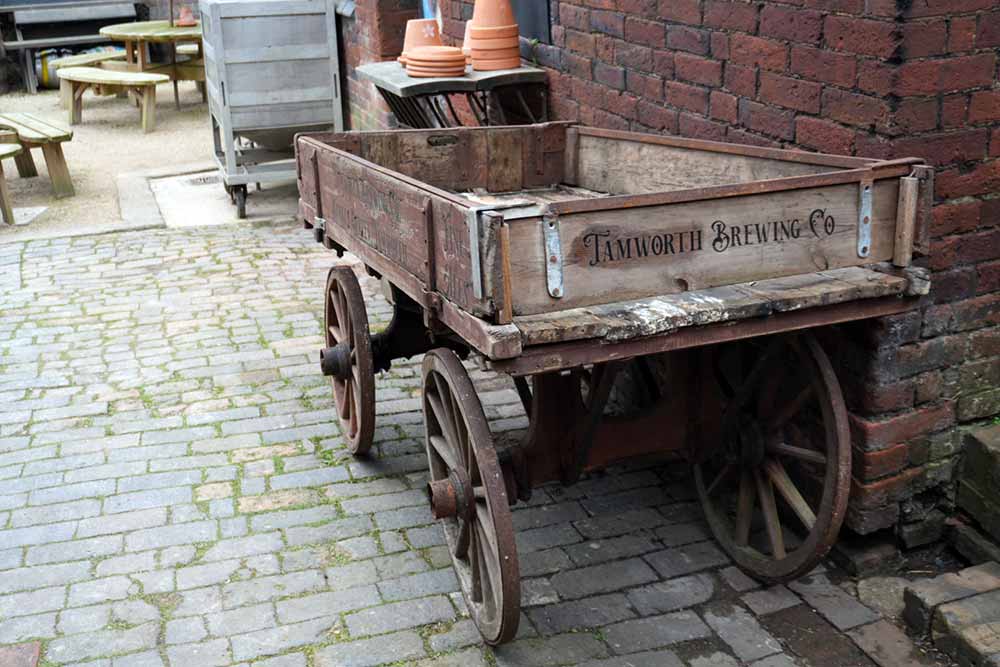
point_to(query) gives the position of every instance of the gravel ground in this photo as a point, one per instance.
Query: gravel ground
(109, 142)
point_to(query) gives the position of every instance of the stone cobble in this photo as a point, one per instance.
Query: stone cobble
(174, 492)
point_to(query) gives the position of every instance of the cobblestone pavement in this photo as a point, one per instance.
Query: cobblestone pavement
(173, 491)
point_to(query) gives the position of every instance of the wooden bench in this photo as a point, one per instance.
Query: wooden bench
(96, 59)
(141, 84)
(6, 151)
(42, 25)
(33, 132)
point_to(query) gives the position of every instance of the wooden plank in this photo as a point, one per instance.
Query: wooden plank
(783, 155)
(626, 320)
(110, 77)
(906, 220)
(375, 210)
(562, 356)
(34, 130)
(632, 168)
(624, 254)
(925, 210)
(504, 159)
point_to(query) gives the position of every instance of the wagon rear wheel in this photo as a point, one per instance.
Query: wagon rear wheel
(469, 497)
(775, 482)
(346, 327)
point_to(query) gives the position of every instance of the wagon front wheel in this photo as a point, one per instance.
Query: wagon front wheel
(347, 359)
(775, 482)
(468, 496)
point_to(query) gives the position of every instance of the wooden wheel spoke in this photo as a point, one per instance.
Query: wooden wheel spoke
(808, 455)
(770, 511)
(335, 331)
(445, 450)
(474, 559)
(743, 393)
(744, 510)
(462, 541)
(491, 554)
(352, 409)
(721, 477)
(787, 490)
(790, 409)
(444, 420)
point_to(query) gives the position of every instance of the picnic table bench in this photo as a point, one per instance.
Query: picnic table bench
(33, 132)
(96, 59)
(77, 79)
(63, 24)
(6, 151)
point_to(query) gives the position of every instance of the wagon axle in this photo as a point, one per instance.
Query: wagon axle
(452, 496)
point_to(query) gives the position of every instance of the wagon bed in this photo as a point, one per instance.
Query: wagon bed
(587, 182)
(649, 295)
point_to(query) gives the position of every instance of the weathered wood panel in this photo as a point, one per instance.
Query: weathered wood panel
(371, 208)
(466, 159)
(634, 253)
(365, 204)
(636, 167)
(272, 64)
(662, 314)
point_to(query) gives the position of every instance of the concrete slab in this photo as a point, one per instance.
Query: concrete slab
(197, 199)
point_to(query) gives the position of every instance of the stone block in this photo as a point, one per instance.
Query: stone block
(980, 506)
(973, 545)
(927, 531)
(865, 555)
(20, 655)
(923, 597)
(951, 618)
(888, 645)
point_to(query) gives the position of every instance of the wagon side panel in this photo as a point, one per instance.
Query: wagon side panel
(416, 237)
(366, 207)
(633, 253)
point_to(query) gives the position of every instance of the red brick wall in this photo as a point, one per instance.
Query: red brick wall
(878, 78)
(375, 33)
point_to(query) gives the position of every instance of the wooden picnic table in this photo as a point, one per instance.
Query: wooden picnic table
(139, 35)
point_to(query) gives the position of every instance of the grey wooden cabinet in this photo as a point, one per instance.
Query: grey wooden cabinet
(272, 70)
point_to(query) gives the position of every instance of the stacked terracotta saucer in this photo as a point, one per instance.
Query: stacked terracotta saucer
(493, 36)
(435, 61)
(420, 32)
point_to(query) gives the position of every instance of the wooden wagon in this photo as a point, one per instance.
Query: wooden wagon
(647, 294)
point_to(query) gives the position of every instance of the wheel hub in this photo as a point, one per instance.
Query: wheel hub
(452, 496)
(336, 361)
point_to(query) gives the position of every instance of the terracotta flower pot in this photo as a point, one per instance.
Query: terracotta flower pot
(421, 32)
(425, 73)
(438, 55)
(501, 43)
(489, 13)
(466, 48)
(493, 65)
(495, 32)
(186, 18)
(494, 54)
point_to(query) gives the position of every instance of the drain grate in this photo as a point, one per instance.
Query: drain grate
(205, 180)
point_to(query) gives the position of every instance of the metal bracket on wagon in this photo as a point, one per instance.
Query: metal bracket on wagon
(866, 192)
(553, 255)
(475, 229)
(319, 229)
